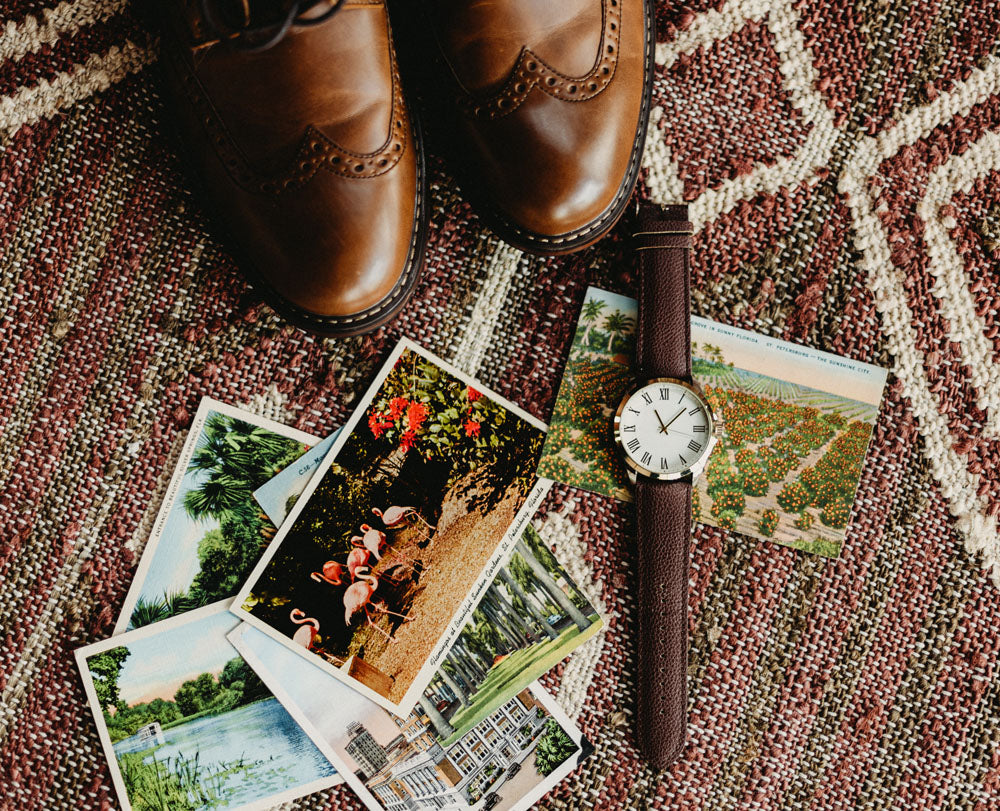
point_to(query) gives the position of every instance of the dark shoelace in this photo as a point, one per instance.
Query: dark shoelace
(248, 35)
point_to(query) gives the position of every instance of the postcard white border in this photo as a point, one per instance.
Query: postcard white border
(552, 707)
(81, 655)
(206, 405)
(416, 688)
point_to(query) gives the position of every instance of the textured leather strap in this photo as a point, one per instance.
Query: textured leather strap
(663, 242)
(664, 510)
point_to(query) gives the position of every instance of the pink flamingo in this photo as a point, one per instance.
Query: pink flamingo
(358, 598)
(374, 541)
(333, 573)
(306, 635)
(358, 559)
(393, 516)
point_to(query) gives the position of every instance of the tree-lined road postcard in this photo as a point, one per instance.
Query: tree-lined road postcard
(797, 425)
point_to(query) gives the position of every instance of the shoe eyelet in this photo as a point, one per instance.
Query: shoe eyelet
(572, 88)
(360, 167)
(532, 65)
(520, 87)
(550, 81)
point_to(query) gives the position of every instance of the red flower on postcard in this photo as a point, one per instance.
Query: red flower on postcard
(416, 415)
(376, 424)
(472, 394)
(407, 441)
(397, 405)
(472, 428)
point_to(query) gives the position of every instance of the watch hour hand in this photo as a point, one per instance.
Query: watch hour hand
(663, 428)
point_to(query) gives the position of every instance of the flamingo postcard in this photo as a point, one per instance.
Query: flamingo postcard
(209, 531)
(428, 485)
(507, 761)
(180, 715)
(532, 615)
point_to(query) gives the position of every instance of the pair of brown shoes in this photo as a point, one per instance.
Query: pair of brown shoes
(293, 115)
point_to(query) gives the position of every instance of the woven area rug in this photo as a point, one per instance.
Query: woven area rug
(842, 163)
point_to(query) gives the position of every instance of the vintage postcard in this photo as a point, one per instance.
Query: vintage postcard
(797, 425)
(278, 495)
(431, 480)
(210, 531)
(506, 762)
(529, 617)
(181, 716)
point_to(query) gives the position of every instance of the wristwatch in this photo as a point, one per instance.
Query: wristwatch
(665, 431)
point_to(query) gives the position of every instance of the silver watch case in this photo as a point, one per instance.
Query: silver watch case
(636, 470)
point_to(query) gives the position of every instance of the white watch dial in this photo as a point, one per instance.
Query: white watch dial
(665, 428)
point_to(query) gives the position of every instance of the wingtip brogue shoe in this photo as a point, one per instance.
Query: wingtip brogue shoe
(295, 121)
(554, 101)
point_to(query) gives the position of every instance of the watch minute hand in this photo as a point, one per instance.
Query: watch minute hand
(665, 427)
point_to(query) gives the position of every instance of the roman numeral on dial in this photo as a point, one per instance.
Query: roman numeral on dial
(699, 429)
(633, 445)
(695, 446)
(629, 428)
(664, 394)
(646, 458)
(647, 398)
(694, 410)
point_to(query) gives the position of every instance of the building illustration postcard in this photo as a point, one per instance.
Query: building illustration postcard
(797, 425)
(507, 761)
(209, 531)
(181, 715)
(431, 480)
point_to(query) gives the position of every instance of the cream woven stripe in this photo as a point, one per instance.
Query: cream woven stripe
(959, 486)
(501, 266)
(799, 79)
(98, 73)
(951, 283)
(19, 39)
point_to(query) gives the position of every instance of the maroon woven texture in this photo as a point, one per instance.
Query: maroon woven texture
(841, 164)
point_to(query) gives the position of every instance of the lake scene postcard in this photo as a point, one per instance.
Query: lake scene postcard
(181, 716)
(797, 425)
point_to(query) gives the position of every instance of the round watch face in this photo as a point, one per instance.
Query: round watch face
(664, 428)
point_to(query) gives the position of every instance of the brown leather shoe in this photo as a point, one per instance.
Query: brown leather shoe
(555, 98)
(294, 118)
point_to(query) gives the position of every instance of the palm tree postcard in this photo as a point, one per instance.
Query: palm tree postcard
(210, 530)
(507, 761)
(798, 423)
(429, 482)
(181, 715)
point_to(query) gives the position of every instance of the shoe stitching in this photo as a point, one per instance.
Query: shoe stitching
(531, 71)
(315, 152)
(611, 212)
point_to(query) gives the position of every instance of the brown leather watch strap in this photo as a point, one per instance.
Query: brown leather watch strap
(664, 510)
(663, 242)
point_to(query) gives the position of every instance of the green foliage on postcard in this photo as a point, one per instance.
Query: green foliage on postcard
(788, 466)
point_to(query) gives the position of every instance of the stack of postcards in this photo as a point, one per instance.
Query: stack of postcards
(372, 608)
